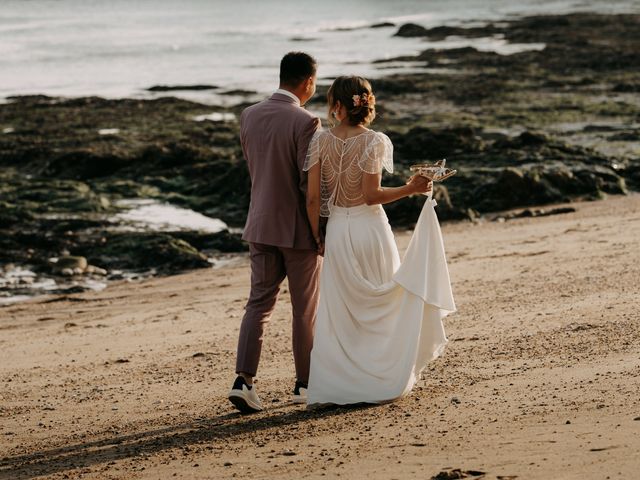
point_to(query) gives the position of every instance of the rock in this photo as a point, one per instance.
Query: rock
(174, 88)
(532, 138)
(85, 164)
(71, 262)
(445, 208)
(145, 250)
(627, 87)
(223, 242)
(511, 187)
(383, 25)
(456, 473)
(52, 182)
(239, 92)
(66, 272)
(11, 215)
(70, 290)
(411, 30)
(421, 144)
(536, 212)
(92, 269)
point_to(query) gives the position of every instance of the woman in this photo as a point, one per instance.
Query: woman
(379, 320)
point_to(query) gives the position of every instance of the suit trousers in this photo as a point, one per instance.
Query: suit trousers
(269, 266)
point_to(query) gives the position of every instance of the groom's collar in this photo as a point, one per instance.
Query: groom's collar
(287, 93)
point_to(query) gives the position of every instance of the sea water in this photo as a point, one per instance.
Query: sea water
(119, 48)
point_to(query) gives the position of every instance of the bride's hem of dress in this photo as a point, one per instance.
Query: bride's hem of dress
(419, 376)
(436, 354)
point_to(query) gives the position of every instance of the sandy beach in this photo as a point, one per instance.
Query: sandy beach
(540, 379)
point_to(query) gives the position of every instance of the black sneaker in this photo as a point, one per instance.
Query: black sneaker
(244, 396)
(300, 392)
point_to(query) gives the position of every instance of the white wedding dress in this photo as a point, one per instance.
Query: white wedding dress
(379, 320)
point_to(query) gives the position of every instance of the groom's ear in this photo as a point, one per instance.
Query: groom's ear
(308, 84)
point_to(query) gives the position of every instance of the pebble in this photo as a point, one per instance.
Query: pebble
(95, 270)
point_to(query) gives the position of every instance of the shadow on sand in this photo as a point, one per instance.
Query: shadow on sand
(119, 447)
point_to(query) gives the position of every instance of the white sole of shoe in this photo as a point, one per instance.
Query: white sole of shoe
(242, 402)
(299, 399)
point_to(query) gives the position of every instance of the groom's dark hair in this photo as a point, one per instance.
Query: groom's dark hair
(296, 67)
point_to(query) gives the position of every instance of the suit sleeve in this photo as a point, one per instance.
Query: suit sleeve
(242, 139)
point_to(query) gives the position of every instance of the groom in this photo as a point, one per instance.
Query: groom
(275, 135)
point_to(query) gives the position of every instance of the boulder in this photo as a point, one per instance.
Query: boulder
(73, 263)
(421, 143)
(143, 251)
(411, 30)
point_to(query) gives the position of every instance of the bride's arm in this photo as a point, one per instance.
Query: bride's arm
(313, 201)
(374, 193)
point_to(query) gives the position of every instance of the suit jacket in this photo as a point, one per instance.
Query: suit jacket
(275, 136)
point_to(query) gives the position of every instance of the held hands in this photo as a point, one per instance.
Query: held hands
(320, 246)
(420, 184)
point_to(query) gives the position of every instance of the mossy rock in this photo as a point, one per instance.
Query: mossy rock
(143, 250)
(13, 215)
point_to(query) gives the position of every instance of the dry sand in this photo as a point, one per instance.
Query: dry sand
(541, 379)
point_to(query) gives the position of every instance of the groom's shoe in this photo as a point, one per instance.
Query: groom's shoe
(244, 396)
(300, 392)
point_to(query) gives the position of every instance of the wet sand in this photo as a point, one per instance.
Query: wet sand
(540, 379)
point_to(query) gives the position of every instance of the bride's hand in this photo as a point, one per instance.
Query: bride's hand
(420, 184)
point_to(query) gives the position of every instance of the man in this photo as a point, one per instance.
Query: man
(275, 135)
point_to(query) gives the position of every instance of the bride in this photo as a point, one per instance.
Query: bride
(379, 319)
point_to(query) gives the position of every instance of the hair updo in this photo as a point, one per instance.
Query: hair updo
(355, 94)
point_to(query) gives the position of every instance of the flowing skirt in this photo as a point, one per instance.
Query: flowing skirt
(379, 320)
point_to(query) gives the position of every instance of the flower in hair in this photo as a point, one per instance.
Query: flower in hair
(364, 100)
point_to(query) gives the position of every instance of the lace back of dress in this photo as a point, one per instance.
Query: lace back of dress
(343, 163)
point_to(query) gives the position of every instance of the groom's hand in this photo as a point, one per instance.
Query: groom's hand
(319, 244)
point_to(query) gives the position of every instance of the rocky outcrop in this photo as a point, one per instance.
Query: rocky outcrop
(507, 123)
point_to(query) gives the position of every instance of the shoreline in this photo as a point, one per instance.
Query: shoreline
(538, 381)
(524, 130)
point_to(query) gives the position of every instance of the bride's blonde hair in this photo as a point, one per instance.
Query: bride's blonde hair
(356, 95)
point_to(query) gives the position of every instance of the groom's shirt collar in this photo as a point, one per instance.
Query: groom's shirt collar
(281, 91)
